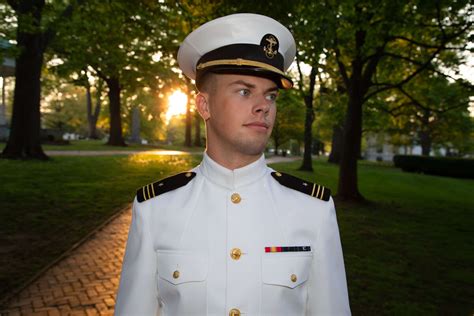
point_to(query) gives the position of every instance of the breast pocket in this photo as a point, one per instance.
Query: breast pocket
(181, 281)
(284, 277)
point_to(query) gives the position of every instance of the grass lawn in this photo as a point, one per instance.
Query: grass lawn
(408, 252)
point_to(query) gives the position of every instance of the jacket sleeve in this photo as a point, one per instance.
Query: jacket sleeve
(327, 290)
(137, 294)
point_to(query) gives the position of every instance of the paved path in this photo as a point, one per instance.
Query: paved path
(112, 152)
(271, 159)
(275, 159)
(85, 281)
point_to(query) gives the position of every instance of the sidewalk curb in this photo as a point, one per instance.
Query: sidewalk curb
(5, 300)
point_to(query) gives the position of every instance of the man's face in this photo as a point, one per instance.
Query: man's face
(240, 113)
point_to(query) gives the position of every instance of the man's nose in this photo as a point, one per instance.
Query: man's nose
(262, 105)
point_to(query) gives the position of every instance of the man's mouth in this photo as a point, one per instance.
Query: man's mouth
(259, 126)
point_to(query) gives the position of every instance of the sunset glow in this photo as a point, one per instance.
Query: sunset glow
(177, 102)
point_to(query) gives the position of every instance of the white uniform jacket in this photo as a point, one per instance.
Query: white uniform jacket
(202, 249)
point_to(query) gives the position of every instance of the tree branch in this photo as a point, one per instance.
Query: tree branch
(393, 111)
(412, 41)
(427, 108)
(372, 64)
(422, 67)
(438, 18)
(300, 77)
(50, 32)
(415, 101)
(99, 73)
(342, 68)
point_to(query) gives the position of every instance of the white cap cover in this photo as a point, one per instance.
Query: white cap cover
(246, 42)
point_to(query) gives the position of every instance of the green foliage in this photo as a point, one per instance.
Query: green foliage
(117, 39)
(441, 166)
(64, 107)
(151, 107)
(329, 109)
(289, 123)
(175, 130)
(7, 32)
(432, 107)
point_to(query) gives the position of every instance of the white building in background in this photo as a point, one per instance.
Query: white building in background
(379, 148)
(7, 69)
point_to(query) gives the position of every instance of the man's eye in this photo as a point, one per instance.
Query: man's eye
(271, 97)
(244, 92)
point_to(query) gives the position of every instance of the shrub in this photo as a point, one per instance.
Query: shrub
(441, 166)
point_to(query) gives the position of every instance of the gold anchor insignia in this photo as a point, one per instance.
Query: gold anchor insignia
(268, 49)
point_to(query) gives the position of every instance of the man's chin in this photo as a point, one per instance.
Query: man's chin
(253, 149)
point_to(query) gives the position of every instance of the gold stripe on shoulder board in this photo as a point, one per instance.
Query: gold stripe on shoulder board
(322, 192)
(152, 189)
(144, 193)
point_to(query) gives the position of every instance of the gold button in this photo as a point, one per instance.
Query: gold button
(235, 253)
(176, 274)
(234, 312)
(235, 198)
(294, 278)
(188, 174)
(278, 174)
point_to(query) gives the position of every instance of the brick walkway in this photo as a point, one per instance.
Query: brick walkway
(84, 282)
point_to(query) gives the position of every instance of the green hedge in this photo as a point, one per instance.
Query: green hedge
(440, 166)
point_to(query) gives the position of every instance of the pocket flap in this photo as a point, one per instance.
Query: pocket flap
(181, 267)
(286, 270)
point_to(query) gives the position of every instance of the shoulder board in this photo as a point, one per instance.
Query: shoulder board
(313, 189)
(152, 190)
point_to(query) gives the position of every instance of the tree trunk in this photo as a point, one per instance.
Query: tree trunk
(115, 137)
(336, 146)
(308, 132)
(197, 129)
(425, 142)
(92, 116)
(189, 118)
(424, 134)
(24, 140)
(357, 86)
(276, 136)
(3, 106)
(90, 123)
(348, 184)
(135, 137)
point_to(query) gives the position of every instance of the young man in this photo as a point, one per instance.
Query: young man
(232, 236)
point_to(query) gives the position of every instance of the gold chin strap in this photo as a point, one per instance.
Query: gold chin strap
(286, 84)
(239, 62)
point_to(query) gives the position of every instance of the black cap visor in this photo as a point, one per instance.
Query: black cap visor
(282, 81)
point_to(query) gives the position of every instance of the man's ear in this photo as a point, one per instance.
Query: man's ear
(202, 105)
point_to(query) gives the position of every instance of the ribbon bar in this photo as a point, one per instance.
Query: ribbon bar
(288, 249)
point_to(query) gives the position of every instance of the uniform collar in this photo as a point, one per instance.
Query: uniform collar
(232, 179)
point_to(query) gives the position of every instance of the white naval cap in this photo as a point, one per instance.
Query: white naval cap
(244, 43)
